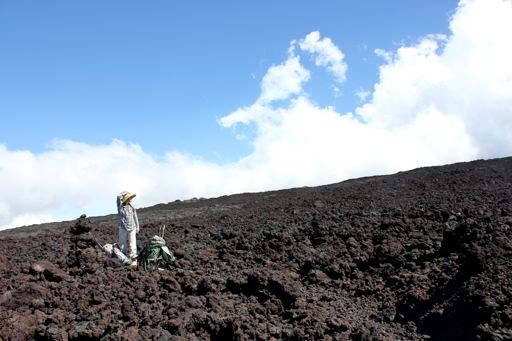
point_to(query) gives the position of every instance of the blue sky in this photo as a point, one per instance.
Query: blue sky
(180, 99)
(160, 74)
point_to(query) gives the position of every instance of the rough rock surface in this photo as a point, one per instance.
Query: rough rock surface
(418, 255)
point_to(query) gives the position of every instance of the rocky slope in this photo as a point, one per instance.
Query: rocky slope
(424, 254)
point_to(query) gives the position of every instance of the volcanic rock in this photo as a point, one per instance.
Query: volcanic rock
(418, 255)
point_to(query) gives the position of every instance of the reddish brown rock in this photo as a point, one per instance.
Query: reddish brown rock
(419, 255)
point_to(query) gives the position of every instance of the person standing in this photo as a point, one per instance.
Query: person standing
(128, 225)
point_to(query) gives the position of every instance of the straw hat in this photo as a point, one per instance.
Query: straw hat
(127, 196)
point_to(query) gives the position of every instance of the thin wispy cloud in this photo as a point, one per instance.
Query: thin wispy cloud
(441, 100)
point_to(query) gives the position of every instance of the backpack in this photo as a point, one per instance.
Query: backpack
(156, 255)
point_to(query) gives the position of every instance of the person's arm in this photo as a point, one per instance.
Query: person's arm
(136, 220)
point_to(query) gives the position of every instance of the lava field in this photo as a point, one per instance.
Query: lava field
(418, 255)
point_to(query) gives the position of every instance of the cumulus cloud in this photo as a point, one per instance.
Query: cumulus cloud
(326, 54)
(282, 81)
(441, 100)
(466, 75)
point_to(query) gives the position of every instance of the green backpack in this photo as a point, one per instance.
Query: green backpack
(156, 255)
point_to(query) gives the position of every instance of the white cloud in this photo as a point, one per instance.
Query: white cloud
(283, 80)
(405, 82)
(29, 219)
(326, 54)
(442, 100)
(467, 75)
(73, 178)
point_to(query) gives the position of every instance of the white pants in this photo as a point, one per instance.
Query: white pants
(128, 242)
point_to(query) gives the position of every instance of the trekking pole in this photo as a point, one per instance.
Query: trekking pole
(163, 230)
(97, 242)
